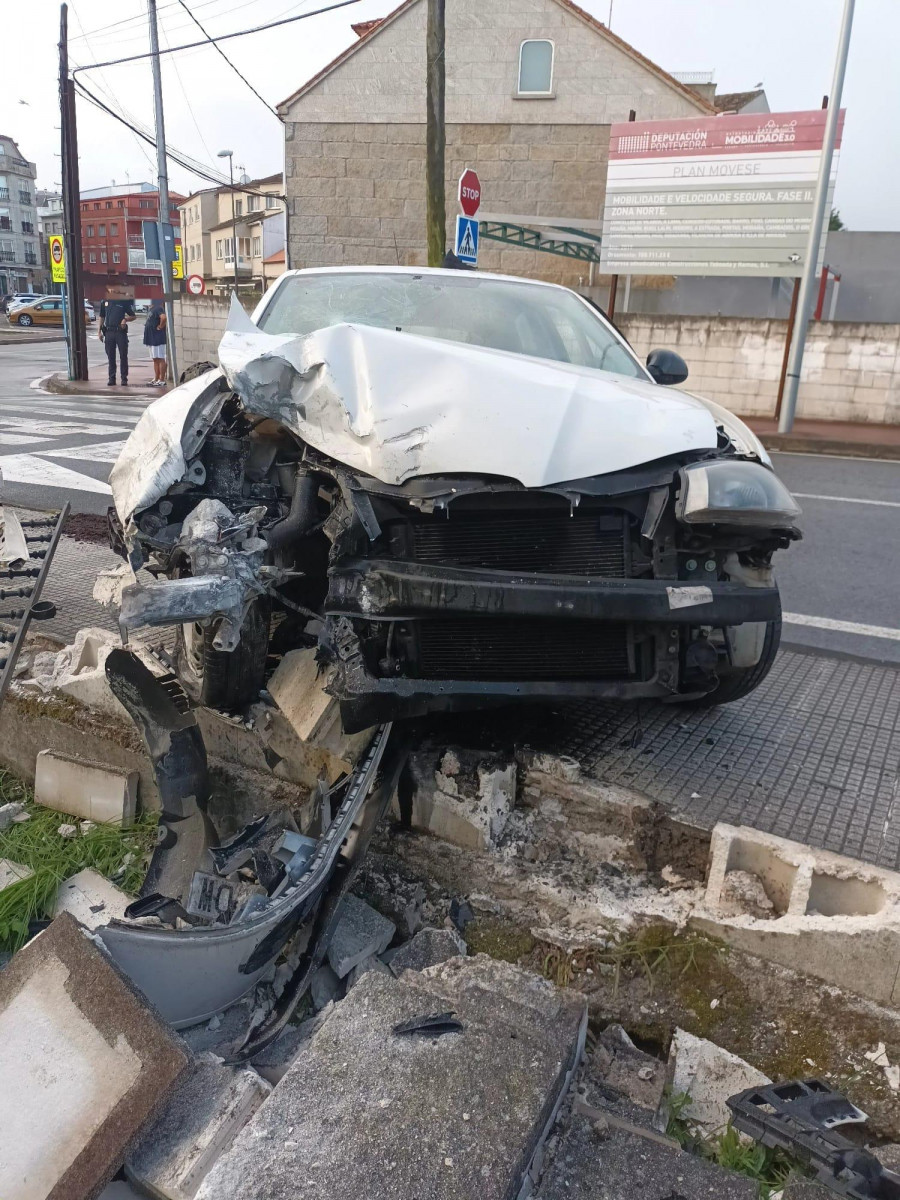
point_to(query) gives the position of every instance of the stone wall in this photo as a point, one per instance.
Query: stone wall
(357, 191)
(851, 371)
(199, 324)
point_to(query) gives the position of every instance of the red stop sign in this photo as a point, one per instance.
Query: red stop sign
(469, 192)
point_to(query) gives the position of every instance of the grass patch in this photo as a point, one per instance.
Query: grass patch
(769, 1168)
(119, 854)
(498, 938)
(656, 951)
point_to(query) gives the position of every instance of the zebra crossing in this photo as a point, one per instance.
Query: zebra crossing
(63, 444)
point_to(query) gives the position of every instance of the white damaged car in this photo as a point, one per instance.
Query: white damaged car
(463, 490)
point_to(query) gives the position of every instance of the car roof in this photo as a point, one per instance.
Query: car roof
(419, 271)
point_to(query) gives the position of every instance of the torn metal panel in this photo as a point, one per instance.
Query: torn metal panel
(165, 439)
(397, 405)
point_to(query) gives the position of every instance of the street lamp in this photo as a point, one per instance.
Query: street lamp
(229, 154)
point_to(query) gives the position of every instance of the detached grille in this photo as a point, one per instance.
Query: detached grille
(498, 649)
(586, 543)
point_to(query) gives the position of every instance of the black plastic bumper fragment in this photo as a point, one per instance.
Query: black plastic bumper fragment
(387, 589)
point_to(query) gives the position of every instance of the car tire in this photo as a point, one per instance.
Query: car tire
(742, 682)
(25, 320)
(217, 678)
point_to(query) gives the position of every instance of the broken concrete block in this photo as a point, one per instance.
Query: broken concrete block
(593, 1162)
(831, 916)
(709, 1075)
(273, 1062)
(200, 1120)
(12, 872)
(91, 899)
(360, 932)
(461, 796)
(427, 949)
(372, 963)
(460, 1116)
(620, 1065)
(85, 789)
(324, 987)
(8, 814)
(84, 1064)
(297, 686)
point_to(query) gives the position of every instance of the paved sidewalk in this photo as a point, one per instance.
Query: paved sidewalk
(850, 438)
(142, 390)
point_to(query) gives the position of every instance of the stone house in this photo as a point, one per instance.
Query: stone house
(532, 88)
(20, 263)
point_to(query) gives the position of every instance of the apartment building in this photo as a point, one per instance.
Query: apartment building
(20, 264)
(112, 239)
(208, 234)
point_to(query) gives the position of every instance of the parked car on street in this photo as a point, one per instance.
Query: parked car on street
(46, 310)
(463, 490)
(19, 299)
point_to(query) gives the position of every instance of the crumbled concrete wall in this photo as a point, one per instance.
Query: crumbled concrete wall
(850, 370)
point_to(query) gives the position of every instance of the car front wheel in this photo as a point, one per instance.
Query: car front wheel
(741, 681)
(227, 680)
(25, 319)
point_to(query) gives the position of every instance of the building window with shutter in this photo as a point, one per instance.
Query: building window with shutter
(536, 68)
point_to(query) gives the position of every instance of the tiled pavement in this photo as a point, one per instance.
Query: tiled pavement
(813, 754)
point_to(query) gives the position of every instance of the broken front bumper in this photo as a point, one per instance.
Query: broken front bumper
(410, 638)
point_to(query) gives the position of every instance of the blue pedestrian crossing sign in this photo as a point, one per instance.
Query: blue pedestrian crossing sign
(467, 239)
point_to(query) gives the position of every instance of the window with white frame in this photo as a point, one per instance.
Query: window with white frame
(257, 247)
(219, 245)
(103, 256)
(117, 257)
(92, 257)
(536, 68)
(271, 201)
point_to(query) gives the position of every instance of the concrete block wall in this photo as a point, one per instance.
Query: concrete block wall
(199, 324)
(851, 371)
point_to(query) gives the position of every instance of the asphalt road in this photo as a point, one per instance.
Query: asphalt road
(839, 585)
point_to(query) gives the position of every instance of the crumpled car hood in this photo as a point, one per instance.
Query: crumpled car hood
(395, 405)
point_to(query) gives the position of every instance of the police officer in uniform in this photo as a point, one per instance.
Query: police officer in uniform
(115, 317)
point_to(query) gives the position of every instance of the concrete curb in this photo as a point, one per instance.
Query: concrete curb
(792, 443)
(23, 339)
(78, 387)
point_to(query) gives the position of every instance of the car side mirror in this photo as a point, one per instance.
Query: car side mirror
(667, 367)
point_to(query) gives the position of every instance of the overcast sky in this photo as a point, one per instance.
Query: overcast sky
(788, 45)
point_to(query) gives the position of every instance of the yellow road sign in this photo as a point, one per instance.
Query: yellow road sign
(178, 264)
(57, 259)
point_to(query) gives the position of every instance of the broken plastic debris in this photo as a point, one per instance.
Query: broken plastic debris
(13, 546)
(434, 1025)
(67, 831)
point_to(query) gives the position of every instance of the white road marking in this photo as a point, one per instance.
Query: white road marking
(20, 439)
(27, 468)
(83, 413)
(876, 631)
(99, 452)
(847, 499)
(58, 428)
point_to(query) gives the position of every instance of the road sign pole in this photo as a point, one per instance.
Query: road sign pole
(163, 193)
(817, 225)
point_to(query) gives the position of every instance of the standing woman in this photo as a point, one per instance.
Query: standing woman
(155, 338)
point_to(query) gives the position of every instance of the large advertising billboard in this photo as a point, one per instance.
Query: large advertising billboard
(729, 195)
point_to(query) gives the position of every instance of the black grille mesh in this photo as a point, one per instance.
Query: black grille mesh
(549, 543)
(498, 649)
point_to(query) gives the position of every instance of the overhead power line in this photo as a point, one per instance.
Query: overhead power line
(114, 62)
(220, 51)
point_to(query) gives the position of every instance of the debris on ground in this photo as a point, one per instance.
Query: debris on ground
(360, 933)
(707, 1076)
(428, 948)
(639, 1077)
(91, 899)
(79, 1044)
(196, 1125)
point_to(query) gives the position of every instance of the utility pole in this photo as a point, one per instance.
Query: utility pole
(229, 154)
(78, 362)
(435, 134)
(163, 194)
(817, 225)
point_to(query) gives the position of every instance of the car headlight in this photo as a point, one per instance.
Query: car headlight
(727, 492)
